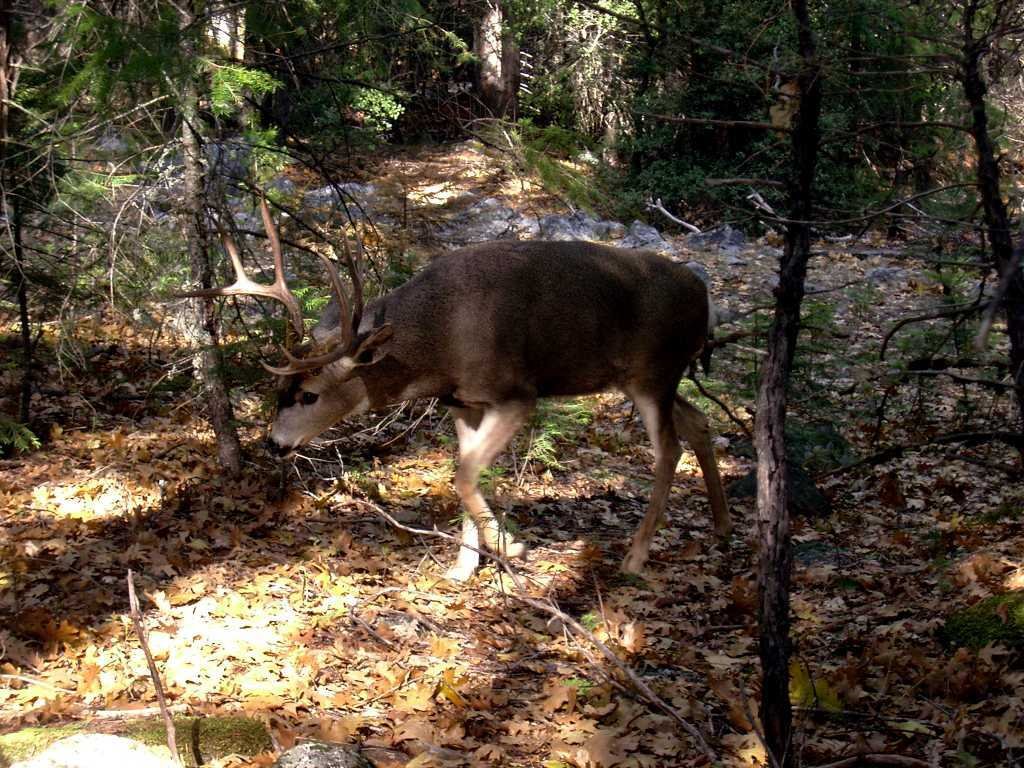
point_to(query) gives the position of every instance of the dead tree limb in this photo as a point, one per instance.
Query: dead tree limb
(154, 673)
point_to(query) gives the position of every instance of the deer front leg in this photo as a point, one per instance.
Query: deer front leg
(482, 436)
(657, 417)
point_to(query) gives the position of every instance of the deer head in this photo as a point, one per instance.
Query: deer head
(317, 387)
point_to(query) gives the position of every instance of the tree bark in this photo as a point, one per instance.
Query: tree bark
(11, 211)
(997, 220)
(498, 55)
(775, 560)
(208, 361)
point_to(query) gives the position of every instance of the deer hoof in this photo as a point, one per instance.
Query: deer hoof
(459, 573)
(514, 549)
(633, 564)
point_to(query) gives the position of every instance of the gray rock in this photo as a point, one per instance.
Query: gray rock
(645, 236)
(719, 237)
(733, 257)
(485, 220)
(281, 184)
(579, 226)
(228, 161)
(359, 199)
(886, 275)
(319, 754)
(699, 270)
(111, 141)
(97, 750)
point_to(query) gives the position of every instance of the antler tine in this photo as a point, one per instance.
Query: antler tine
(279, 289)
(246, 286)
(355, 268)
(302, 364)
(348, 319)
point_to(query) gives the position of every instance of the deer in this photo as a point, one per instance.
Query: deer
(489, 330)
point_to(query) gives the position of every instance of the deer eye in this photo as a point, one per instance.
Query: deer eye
(308, 398)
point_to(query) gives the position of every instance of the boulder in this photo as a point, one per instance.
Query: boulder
(878, 275)
(360, 199)
(98, 750)
(579, 226)
(699, 270)
(320, 754)
(487, 219)
(640, 235)
(724, 237)
(112, 142)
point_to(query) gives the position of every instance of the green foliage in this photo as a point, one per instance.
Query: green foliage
(997, 619)
(15, 436)
(229, 85)
(556, 423)
(379, 110)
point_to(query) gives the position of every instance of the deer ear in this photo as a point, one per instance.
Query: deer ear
(369, 350)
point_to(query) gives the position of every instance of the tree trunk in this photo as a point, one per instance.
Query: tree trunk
(775, 561)
(25, 400)
(997, 221)
(11, 210)
(498, 55)
(208, 361)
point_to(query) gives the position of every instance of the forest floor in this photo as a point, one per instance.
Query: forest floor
(284, 594)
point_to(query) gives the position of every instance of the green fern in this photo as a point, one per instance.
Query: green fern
(15, 435)
(555, 424)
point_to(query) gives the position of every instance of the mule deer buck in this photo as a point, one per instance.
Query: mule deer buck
(488, 330)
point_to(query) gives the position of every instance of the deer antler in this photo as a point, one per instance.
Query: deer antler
(339, 344)
(246, 286)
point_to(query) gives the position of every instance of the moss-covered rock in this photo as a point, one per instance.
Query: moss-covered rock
(997, 619)
(215, 737)
(29, 742)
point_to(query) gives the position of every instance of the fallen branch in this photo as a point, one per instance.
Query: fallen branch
(938, 314)
(36, 681)
(732, 417)
(741, 182)
(657, 206)
(722, 123)
(877, 759)
(133, 606)
(1013, 439)
(990, 383)
(131, 714)
(567, 621)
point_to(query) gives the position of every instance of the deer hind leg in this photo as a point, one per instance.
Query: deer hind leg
(657, 417)
(693, 425)
(482, 436)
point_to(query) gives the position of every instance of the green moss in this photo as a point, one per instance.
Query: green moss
(997, 619)
(216, 736)
(28, 742)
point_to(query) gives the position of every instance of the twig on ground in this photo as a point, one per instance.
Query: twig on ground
(133, 606)
(975, 306)
(877, 759)
(35, 681)
(732, 416)
(130, 714)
